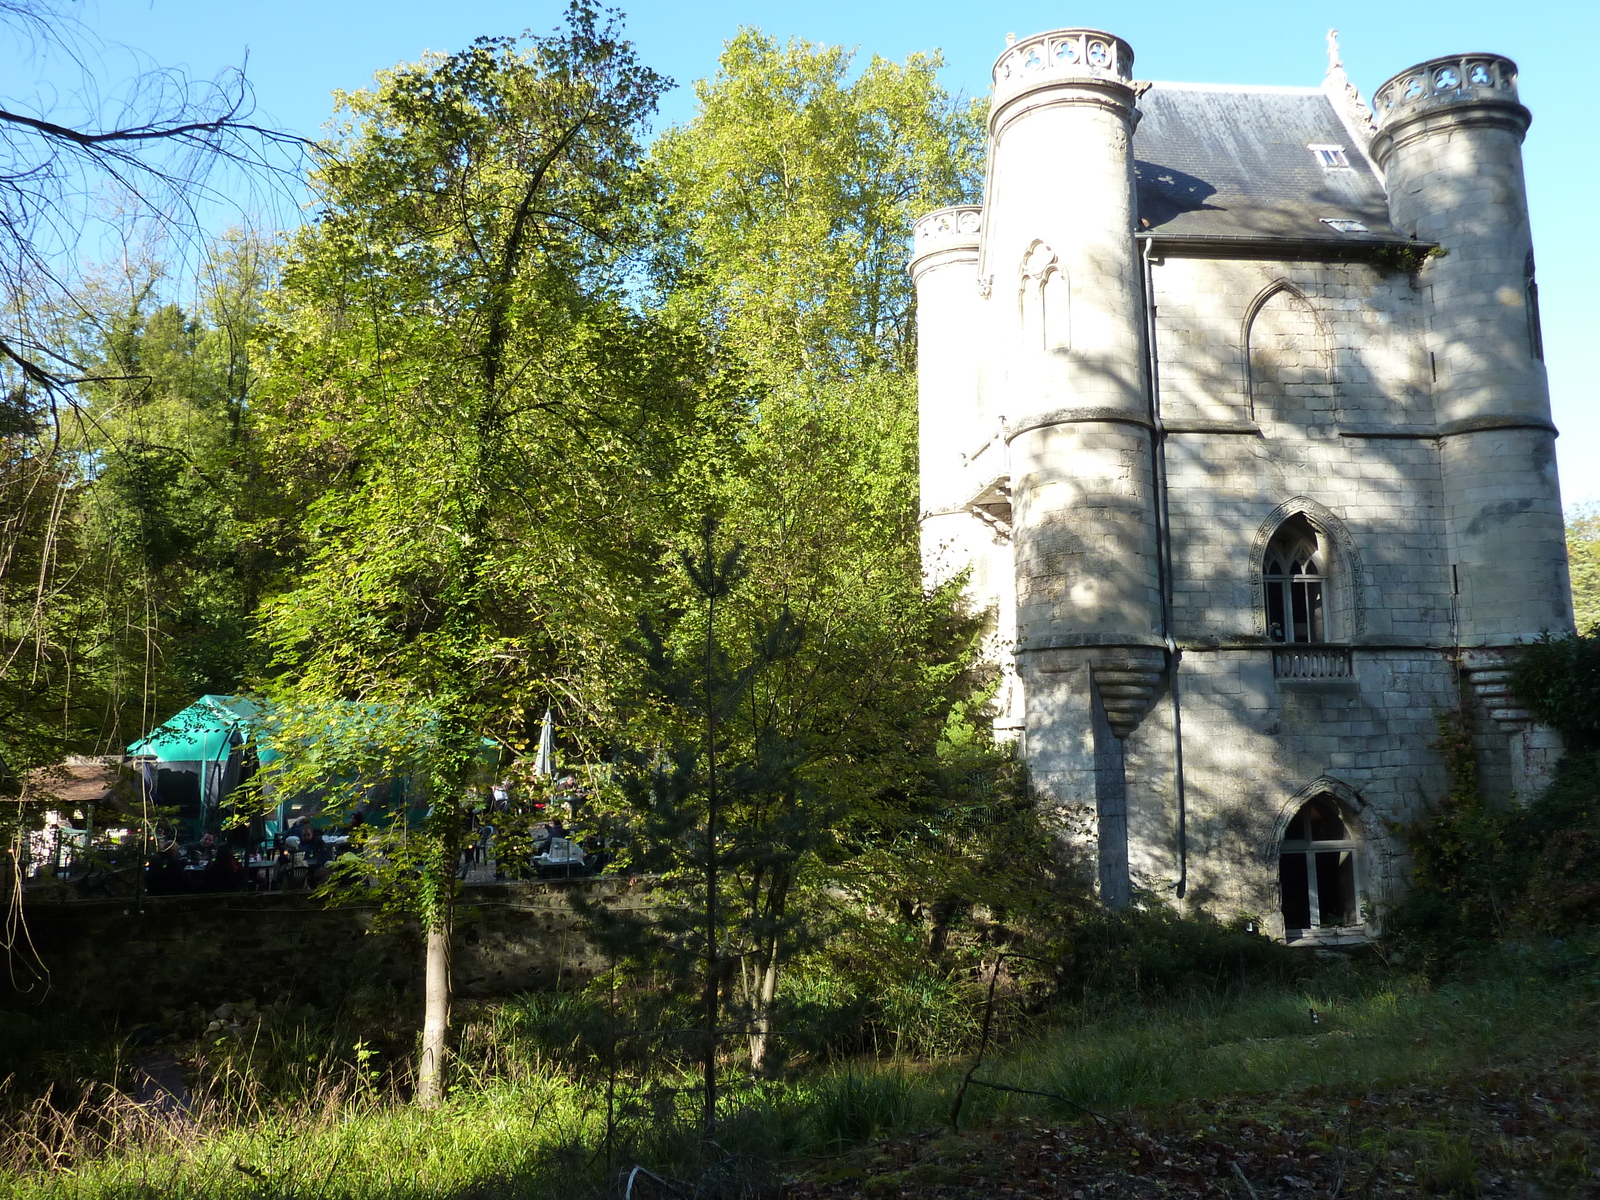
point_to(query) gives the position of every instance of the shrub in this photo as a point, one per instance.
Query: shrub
(1152, 952)
(854, 1106)
(1483, 870)
(1558, 678)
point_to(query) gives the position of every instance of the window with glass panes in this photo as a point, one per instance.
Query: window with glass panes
(1318, 871)
(1295, 585)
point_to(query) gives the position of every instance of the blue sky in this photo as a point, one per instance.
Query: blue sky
(299, 50)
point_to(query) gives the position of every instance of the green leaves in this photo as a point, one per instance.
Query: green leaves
(1583, 558)
(789, 199)
(489, 445)
(485, 437)
(1558, 677)
(136, 525)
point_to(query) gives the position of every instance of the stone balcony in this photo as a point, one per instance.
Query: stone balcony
(957, 228)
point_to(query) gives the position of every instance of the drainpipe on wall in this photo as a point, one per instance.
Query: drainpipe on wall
(1158, 456)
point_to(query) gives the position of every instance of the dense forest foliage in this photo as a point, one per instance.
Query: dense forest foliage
(1583, 558)
(429, 462)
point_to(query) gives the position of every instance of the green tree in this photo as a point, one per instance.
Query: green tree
(1583, 558)
(721, 808)
(133, 546)
(486, 440)
(160, 144)
(789, 200)
(786, 204)
(176, 489)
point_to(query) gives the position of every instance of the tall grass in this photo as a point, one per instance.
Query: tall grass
(536, 1112)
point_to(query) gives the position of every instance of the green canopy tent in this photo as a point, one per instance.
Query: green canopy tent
(194, 760)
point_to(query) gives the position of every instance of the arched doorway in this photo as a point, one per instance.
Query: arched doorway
(1319, 874)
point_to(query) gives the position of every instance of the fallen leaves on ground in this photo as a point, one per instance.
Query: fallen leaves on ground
(1512, 1132)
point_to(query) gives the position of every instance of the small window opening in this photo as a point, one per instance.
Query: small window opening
(1329, 156)
(1296, 584)
(1535, 332)
(1318, 872)
(1343, 225)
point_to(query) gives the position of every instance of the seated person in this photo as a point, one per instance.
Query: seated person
(292, 868)
(164, 871)
(316, 848)
(223, 873)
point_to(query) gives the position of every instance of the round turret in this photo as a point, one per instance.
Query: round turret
(1065, 353)
(1064, 362)
(944, 265)
(953, 231)
(1449, 141)
(1482, 87)
(1081, 56)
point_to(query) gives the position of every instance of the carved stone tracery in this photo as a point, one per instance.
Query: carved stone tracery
(1348, 576)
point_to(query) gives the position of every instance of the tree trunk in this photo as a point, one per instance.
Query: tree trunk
(761, 1016)
(436, 1016)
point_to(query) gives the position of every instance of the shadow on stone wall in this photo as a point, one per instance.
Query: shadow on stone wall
(118, 961)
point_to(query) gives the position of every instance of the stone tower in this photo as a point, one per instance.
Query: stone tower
(1233, 407)
(1065, 352)
(1449, 141)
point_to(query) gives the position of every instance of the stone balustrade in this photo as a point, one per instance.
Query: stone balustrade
(960, 224)
(1061, 55)
(1439, 82)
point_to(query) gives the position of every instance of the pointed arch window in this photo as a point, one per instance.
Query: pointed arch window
(1319, 873)
(1296, 578)
(1042, 301)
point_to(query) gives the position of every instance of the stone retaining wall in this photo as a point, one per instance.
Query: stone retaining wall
(132, 962)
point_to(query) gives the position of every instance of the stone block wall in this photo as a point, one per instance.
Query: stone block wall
(128, 962)
(1322, 409)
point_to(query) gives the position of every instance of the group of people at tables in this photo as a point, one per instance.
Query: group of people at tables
(302, 856)
(299, 858)
(556, 851)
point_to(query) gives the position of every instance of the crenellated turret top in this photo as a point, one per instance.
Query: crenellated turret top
(957, 225)
(1442, 82)
(1059, 56)
(957, 228)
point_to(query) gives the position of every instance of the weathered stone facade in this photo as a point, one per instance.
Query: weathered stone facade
(1233, 403)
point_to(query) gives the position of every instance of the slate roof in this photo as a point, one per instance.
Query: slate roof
(1224, 162)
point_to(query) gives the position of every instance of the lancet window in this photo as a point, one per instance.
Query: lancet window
(1042, 300)
(1296, 581)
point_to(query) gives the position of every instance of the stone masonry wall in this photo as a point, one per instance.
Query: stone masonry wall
(1294, 387)
(115, 960)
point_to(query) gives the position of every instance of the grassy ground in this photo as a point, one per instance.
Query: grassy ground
(1486, 1085)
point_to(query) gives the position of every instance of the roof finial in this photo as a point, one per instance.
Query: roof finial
(1336, 84)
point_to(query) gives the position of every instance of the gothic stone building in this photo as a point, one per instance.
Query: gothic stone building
(1232, 401)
